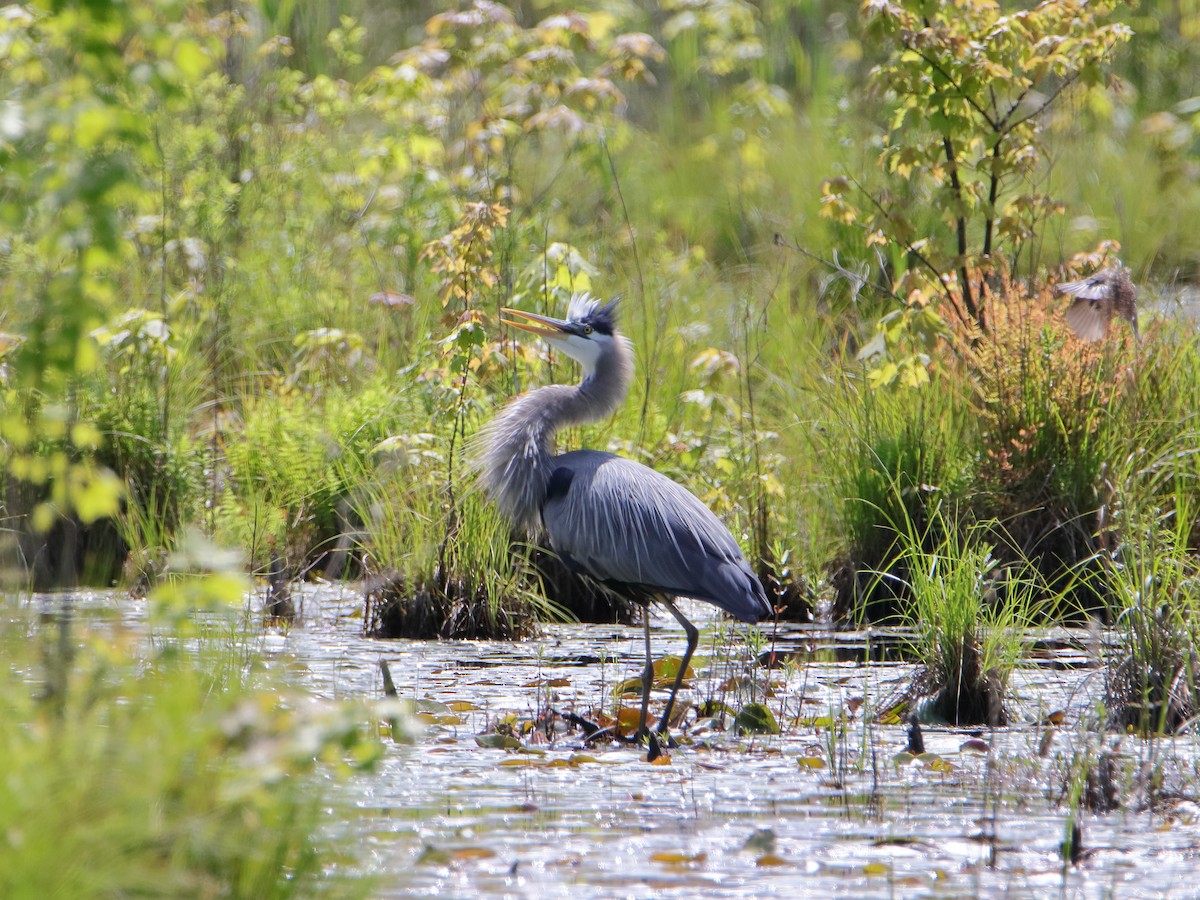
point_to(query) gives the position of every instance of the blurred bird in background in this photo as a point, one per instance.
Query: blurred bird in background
(1098, 298)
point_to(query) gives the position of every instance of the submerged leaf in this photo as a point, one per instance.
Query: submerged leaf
(668, 667)
(936, 763)
(466, 853)
(630, 686)
(628, 718)
(496, 741)
(762, 841)
(770, 859)
(677, 858)
(444, 719)
(583, 759)
(755, 718)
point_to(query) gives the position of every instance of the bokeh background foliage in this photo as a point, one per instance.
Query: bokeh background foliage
(253, 257)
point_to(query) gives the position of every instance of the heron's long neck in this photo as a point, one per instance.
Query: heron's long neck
(518, 448)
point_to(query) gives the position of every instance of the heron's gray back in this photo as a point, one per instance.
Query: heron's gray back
(623, 523)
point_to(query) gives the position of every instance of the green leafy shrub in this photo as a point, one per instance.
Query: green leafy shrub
(282, 490)
(162, 766)
(1054, 420)
(964, 88)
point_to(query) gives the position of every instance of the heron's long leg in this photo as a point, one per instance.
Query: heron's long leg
(647, 677)
(693, 638)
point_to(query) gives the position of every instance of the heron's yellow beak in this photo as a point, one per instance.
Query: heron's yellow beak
(542, 326)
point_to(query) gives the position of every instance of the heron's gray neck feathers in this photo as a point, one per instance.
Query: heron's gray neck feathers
(518, 445)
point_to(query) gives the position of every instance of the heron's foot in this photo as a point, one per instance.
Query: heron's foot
(655, 740)
(638, 737)
(655, 748)
(658, 742)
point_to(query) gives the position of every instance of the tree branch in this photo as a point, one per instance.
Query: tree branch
(918, 255)
(834, 265)
(1067, 82)
(960, 221)
(993, 193)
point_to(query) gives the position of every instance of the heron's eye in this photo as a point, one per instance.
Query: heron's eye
(587, 329)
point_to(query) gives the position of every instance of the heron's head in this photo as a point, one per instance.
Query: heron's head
(587, 334)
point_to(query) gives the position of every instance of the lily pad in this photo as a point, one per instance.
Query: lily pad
(755, 718)
(497, 741)
(762, 841)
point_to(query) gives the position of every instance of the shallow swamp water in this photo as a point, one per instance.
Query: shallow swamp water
(830, 807)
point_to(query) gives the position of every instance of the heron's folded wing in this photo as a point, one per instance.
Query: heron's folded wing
(625, 524)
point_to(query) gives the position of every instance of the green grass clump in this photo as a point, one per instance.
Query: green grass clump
(969, 616)
(282, 490)
(893, 464)
(1152, 681)
(1027, 429)
(439, 562)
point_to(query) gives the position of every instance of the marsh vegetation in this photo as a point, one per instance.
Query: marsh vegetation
(251, 266)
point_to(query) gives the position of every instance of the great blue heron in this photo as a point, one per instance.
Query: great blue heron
(1097, 298)
(630, 529)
